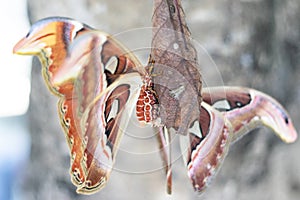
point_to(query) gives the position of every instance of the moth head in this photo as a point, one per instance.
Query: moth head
(47, 35)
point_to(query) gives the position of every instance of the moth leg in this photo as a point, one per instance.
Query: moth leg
(164, 141)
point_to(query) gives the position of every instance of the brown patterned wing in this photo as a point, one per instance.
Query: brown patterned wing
(114, 108)
(209, 139)
(107, 85)
(248, 109)
(49, 39)
(176, 78)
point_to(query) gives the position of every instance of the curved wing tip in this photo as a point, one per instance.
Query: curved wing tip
(287, 134)
(18, 46)
(23, 47)
(291, 137)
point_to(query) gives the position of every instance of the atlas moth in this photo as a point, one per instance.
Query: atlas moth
(89, 71)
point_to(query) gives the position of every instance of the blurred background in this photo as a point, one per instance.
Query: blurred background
(253, 43)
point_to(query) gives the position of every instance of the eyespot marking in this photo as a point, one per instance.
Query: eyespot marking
(195, 129)
(222, 105)
(114, 110)
(112, 65)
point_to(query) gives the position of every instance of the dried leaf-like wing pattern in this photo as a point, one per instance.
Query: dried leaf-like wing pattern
(176, 76)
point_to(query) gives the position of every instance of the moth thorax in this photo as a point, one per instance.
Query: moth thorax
(147, 106)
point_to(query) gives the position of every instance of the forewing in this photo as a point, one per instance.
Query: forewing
(248, 109)
(70, 122)
(80, 64)
(49, 39)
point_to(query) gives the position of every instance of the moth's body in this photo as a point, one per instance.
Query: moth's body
(146, 106)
